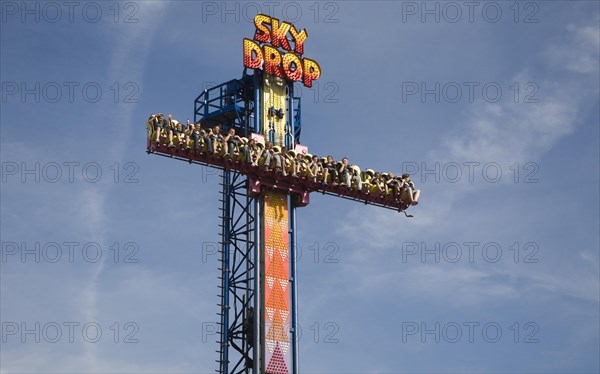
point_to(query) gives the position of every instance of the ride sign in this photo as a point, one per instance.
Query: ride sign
(289, 63)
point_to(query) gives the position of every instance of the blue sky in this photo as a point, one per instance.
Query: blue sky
(510, 182)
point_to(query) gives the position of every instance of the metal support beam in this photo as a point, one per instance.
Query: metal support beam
(294, 288)
(238, 259)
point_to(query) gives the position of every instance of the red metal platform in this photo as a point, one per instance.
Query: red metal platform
(259, 178)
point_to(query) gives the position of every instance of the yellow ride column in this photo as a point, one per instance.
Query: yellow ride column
(276, 300)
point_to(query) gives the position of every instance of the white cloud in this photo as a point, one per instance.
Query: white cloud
(164, 307)
(126, 64)
(524, 131)
(505, 132)
(578, 51)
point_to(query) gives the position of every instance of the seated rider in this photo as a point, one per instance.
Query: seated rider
(312, 167)
(330, 171)
(393, 185)
(301, 165)
(279, 160)
(268, 155)
(259, 148)
(289, 162)
(367, 176)
(179, 134)
(251, 152)
(187, 133)
(377, 185)
(229, 143)
(150, 125)
(355, 176)
(322, 170)
(171, 127)
(215, 138)
(196, 135)
(344, 173)
(208, 136)
(385, 177)
(159, 125)
(240, 151)
(409, 194)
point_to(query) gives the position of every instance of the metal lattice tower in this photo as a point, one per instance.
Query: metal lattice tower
(239, 255)
(236, 104)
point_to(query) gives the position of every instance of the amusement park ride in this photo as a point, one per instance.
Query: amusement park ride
(258, 291)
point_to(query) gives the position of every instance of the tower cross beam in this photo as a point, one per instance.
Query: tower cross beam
(266, 179)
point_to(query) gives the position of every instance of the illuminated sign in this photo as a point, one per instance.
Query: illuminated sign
(286, 62)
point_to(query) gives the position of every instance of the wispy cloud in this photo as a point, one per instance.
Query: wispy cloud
(578, 51)
(126, 64)
(511, 132)
(504, 133)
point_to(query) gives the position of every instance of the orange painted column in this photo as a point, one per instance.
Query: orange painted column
(277, 302)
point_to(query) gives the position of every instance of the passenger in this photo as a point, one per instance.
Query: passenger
(354, 170)
(409, 194)
(258, 151)
(196, 135)
(250, 150)
(330, 171)
(229, 143)
(268, 155)
(240, 154)
(179, 135)
(312, 167)
(377, 185)
(150, 125)
(208, 141)
(290, 164)
(322, 173)
(393, 185)
(301, 165)
(306, 172)
(279, 160)
(187, 133)
(385, 177)
(317, 169)
(215, 141)
(366, 178)
(344, 173)
(160, 126)
(171, 126)
(151, 119)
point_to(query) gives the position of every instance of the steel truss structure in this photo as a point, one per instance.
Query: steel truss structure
(239, 265)
(236, 104)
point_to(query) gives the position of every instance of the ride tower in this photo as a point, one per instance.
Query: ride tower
(258, 292)
(258, 283)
